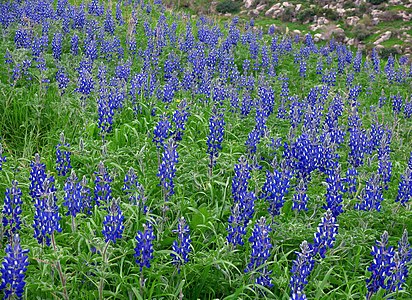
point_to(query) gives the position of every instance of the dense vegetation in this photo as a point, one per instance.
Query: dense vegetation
(148, 155)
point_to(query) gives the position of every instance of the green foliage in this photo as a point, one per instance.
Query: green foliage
(228, 6)
(361, 32)
(377, 2)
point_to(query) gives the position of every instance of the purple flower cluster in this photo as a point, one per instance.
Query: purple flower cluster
(12, 209)
(134, 190)
(13, 270)
(63, 163)
(113, 222)
(181, 246)
(301, 269)
(144, 247)
(102, 188)
(261, 246)
(243, 203)
(325, 234)
(275, 189)
(167, 168)
(215, 137)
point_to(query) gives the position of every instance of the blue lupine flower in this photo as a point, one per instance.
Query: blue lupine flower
(261, 246)
(63, 164)
(181, 246)
(144, 247)
(301, 269)
(46, 216)
(325, 234)
(119, 16)
(407, 108)
(109, 24)
(215, 137)
(113, 223)
(162, 131)
(401, 260)
(240, 181)
(258, 131)
(358, 142)
(397, 103)
(2, 157)
(62, 80)
(13, 270)
(243, 203)
(384, 163)
(334, 192)
(57, 45)
(180, 117)
(12, 209)
(105, 112)
(37, 177)
(372, 195)
(85, 195)
(22, 38)
(351, 181)
(300, 198)
(405, 185)
(74, 44)
(381, 266)
(274, 190)
(72, 197)
(102, 189)
(134, 190)
(236, 228)
(167, 168)
(85, 82)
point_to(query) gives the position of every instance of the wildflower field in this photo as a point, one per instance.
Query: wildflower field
(147, 154)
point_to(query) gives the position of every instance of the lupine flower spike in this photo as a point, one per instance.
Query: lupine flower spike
(181, 246)
(2, 157)
(326, 233)
(144, 249)
(261, 246)
(13, 270)
(63, 164)
(301, 269)
(12, 209)
(381, 266)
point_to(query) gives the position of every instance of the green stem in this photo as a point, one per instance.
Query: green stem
(59, 270)
(104, 256)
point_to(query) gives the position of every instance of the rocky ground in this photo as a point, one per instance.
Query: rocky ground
(386, 25)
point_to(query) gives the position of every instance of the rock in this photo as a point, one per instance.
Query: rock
(384, 37)
(297, 32)
(351, 42)
(298, 7)
(314, 27)
(341, 11)
(278, 12)
(271, 10)
(287, 4)
(395, 2)
(334, 31)
(317, 37)
(253, 12)
(249, 3)
(406, 17)
(398, 48)
(322, 21)
(375, 21)
(227, 14)
(378, 47)
(352, 21)
(260, 7)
